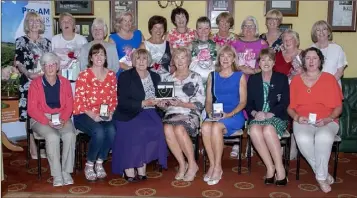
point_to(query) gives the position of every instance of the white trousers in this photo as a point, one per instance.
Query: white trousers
(315, 144)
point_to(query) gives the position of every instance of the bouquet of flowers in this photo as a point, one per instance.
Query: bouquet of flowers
(37, 53)
(10, 80)
(72, 68)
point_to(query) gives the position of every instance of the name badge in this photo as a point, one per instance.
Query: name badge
(312, 118)
(55, 119)
(104, 112)
(204, 46)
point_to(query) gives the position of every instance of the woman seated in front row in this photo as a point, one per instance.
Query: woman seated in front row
(268, 99)
(96, 91)
(315, 112)
(182, 117)
(140, 133)
(228, 87)
(50, 96)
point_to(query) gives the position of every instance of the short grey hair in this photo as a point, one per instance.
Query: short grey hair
(64, 14)
(99, 22)
(254, 20)
(292, 33)
(49, 58)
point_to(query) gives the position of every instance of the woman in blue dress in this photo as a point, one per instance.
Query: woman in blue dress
(126, 40)
(229, 87)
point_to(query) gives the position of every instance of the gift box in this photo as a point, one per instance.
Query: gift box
(165, 90)
(72, 71)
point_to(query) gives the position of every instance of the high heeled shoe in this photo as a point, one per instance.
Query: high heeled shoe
(206, 178)
(270, 180)
(215, 181)
(182, 175)
(189, 178)
(282, 182)
(130, 179)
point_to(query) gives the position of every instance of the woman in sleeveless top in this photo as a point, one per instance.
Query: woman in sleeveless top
(273, 37)
(126, 40)
(225, 22)
(228, 87)
(158, 47)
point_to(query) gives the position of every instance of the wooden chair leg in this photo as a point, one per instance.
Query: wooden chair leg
(240, 155)
(298, 165)
(204, 161)
(28, 154)
(249, 155)
(336, 161)
(288, 156)
(39, 171)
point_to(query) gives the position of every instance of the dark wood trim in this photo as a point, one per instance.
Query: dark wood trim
(285, 12)
(351, 28)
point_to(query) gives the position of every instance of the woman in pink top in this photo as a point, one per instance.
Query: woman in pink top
(181, 35)
(50, 105)
(248, 46)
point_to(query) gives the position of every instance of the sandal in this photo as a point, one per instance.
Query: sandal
(325, 187)
(235, 151)
(89, 172)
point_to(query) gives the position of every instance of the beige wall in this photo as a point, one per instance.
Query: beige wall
(309, 12)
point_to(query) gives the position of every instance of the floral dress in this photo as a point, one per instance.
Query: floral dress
(187, 90)
(178, 39)
(279, 125)
(277, 45)
(223, 41)
(28, 53)
(204, 55)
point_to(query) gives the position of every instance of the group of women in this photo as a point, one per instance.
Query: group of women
(247, 74)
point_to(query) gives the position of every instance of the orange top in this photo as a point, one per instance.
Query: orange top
(91, 93)
(324, 97)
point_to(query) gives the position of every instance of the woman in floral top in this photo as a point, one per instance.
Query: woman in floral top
(225, 22)
(181, 36)
(96, 88)
(274, 36)
(182, 117)
(29, 49)
(204, 50)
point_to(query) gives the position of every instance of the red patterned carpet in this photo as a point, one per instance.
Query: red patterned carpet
(20, 179)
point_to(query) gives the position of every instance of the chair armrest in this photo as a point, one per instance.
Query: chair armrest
(345, 119)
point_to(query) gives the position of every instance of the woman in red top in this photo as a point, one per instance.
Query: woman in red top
(94, 104)
(50, 97)
(288, 61)
(315, 112)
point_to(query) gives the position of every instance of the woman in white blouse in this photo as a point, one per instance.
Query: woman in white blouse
(335, 57)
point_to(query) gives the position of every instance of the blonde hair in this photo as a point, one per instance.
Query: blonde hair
(48, 58)
(184, 50)
(319, 24)
(139, 53)
(99, 22)
(273, 13)
(254, 20)
(35, 16)
(292, 33)
(120, 18)
(64, 14)
(227, 16)
(226, 49)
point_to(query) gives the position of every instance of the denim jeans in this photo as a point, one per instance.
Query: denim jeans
(102, 136)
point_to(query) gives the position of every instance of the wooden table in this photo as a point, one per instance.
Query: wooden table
(7, 143)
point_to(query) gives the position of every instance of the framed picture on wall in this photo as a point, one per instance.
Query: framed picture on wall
(74, 7)
(285, 26)
(118, 7)
(216, 7)
(342, 16)
(287, 8)
(83, 27)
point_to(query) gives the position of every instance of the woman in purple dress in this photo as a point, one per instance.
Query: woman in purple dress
(140, 133)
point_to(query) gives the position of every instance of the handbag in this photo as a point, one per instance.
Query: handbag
(165, 90)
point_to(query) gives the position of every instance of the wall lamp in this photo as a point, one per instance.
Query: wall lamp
(164, 4)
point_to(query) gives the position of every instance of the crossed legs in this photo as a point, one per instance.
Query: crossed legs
(180, 144)
(266, 142)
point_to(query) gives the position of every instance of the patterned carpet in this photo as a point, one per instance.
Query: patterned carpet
(22, 182)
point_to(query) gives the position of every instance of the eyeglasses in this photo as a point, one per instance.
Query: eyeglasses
(248, 26)
(272, 19)
(51, 65)
(34, 21)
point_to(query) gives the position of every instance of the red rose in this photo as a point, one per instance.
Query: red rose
(71, 55)
(156, 66)
(36, 56)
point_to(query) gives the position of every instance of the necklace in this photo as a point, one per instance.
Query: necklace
(315, 78)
